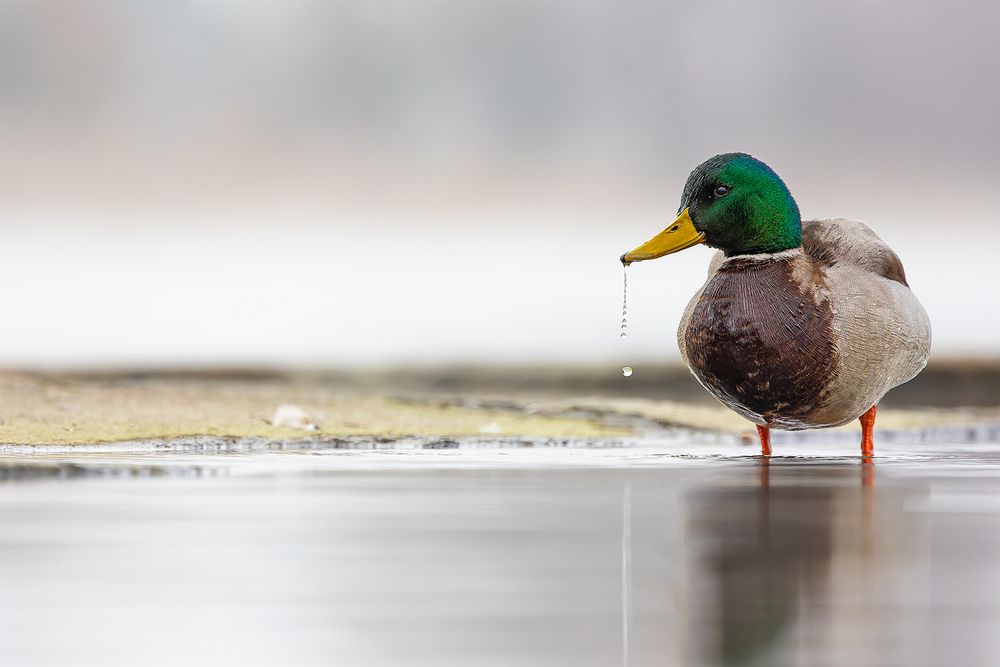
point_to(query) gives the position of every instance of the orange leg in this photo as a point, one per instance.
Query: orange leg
(764, 432)
(867, 427)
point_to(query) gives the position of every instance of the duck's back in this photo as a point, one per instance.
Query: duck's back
(808, 337)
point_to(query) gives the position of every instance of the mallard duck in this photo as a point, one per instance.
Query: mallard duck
(799, 325)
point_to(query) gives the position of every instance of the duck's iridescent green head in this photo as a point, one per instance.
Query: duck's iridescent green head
(742, 206)
(733, 202)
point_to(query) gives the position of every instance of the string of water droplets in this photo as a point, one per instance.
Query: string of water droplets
(626, 370)
(624, 329)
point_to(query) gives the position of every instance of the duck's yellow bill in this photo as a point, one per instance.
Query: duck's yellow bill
(678, 236)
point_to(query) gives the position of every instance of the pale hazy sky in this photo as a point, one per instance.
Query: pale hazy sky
(420, 182)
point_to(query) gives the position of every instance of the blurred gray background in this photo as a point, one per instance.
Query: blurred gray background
(222, 182)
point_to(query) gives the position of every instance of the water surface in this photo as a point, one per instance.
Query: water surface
(506, 556)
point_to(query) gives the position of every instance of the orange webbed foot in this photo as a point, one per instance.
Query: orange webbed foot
(867, 432)
(764, 433)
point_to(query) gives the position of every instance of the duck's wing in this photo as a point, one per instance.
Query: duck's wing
(881, 330)
(849, 242)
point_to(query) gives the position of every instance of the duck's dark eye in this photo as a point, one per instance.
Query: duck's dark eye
(721, 190)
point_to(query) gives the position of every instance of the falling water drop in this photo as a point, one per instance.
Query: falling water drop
(627, 371)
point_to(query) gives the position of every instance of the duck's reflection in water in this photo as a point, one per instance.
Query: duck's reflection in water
(769, 557)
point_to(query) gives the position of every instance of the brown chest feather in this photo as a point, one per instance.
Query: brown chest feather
(761, 342)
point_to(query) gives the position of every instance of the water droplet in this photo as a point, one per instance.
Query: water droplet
(627, 371)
